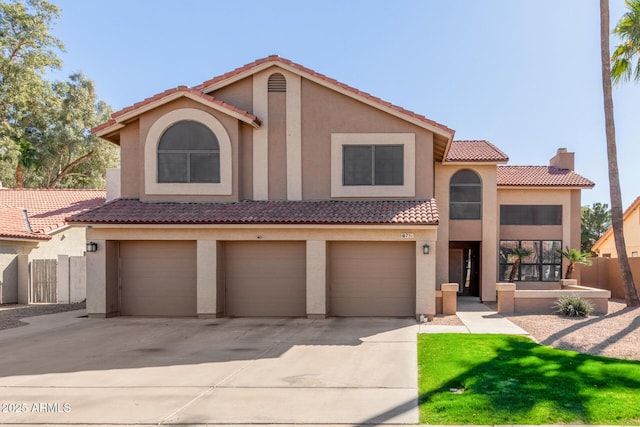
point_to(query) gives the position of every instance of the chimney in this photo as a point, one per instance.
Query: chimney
(562, 159)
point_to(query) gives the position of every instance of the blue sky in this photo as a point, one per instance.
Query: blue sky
(522, 74)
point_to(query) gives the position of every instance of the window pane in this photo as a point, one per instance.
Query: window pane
(551, 252)
(529, 272)
(531, 214)
(465, 193)
(534, 247)
(188, 135)
(204, 167)
(505, 272)
(172, 167)
(465, 176)
(389, 161)
(506, 251)
(464, 211)
(551, 272)
(357, 164)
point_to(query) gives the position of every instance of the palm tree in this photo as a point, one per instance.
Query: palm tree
(519, 253)
(631, 294)
(624, 56)
(574, 256)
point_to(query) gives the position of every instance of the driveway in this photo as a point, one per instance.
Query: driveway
(67, 369)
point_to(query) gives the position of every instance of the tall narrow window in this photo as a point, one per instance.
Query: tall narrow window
(188, 152)
(465, 195)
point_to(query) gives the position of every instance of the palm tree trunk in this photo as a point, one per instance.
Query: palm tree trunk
(630, 292)
(570, 269)
(514, 270)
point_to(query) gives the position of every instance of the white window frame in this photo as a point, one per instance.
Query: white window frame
(339, 140)
(152, 186)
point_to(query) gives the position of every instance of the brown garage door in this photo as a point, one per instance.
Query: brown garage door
(372, 278)
(158, 278)
(265, 278)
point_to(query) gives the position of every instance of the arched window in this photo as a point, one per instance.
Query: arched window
(188, 152)
(465, 195)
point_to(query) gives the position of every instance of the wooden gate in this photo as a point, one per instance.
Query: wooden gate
(44, 281)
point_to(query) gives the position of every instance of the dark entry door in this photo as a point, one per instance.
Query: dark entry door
(464, 267)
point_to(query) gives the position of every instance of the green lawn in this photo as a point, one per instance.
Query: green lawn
(504, 379)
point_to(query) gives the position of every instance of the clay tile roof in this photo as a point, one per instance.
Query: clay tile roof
(167, 94)
(540, 176)
(121, 211)
(47, 209)
(475, 151)
(14, 225)
(305, 70)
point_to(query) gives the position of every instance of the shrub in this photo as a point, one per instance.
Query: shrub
(574, 306)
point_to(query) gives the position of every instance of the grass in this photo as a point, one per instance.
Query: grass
(504, 379)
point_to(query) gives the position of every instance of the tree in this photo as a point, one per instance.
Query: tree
(67, 154)
(625, 57)
(574, 256)
(519, 253)
(27, 52)
(631, 294)
(594, 221)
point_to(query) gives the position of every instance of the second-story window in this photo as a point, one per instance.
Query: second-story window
(373, 164)
(465, 195)
(188, 152)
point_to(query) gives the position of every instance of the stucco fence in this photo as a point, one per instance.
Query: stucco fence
(528, 301)
(604, 273)
(525, 301)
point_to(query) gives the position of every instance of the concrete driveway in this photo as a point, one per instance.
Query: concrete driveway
(65, 369)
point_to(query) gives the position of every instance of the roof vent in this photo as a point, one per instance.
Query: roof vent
(277, 83)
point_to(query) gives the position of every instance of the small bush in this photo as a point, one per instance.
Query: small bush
(574, 306)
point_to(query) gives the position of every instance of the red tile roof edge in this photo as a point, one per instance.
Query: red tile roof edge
(279, 59)
(36, 236)
(42, 226)
(113, 216)
(168, 92)
(586, 183)
(500, 155)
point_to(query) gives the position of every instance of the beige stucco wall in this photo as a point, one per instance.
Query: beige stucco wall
(238, 94)
(485, 230)
(65, 241)
(102, 266)
(324, 112)
(604, 273)
(631, 227)
(277, 145)
(113, 184)
(131, 161)
(14, 270)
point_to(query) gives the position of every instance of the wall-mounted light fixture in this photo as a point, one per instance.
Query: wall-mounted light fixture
(425, 249)
(92, 247)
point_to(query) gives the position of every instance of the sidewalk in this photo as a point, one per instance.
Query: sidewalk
(477, 319)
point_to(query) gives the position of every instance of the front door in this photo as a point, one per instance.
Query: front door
(464, 267)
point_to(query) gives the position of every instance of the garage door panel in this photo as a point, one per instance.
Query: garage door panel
(265, 278)
(372, 278)
(158, 278)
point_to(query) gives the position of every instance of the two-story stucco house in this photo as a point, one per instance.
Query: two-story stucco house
(274, 190)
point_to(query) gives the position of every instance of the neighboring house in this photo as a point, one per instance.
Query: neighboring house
(605, 246)
(33, 228)
(273, 190)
